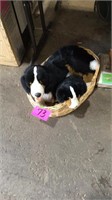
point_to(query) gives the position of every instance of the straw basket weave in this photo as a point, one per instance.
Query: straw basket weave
(62, 109)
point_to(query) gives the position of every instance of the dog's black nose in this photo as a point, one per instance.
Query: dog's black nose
(38, 94)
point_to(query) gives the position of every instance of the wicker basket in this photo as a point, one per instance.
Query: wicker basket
(62, 109)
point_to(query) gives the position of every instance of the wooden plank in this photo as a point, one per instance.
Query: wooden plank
(6, 54)
(12, 47)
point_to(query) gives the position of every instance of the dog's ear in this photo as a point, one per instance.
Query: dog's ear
(24, 84)
(24, 79)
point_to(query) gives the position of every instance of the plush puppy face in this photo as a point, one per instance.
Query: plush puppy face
(63, 94)
(34, 81)
(64, 91)
(38, 84)
(68, 93)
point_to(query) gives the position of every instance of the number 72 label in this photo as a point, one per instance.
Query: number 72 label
(41, 113)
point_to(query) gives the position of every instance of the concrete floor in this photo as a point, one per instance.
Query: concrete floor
(67, 158)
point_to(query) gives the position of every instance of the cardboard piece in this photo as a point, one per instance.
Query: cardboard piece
(105, 75)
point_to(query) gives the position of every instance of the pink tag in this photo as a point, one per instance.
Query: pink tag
(41, 113)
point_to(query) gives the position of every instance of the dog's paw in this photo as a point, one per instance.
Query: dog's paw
(74, 100)
(48, 97)
(74, 103)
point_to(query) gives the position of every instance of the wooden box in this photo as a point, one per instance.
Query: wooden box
(11, 44)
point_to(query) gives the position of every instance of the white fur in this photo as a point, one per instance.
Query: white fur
(74, 100)
(47, 97)
(36, 87)
(94, 65)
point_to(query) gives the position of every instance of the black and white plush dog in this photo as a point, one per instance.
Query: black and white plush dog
(41, 81)
(72, 87)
